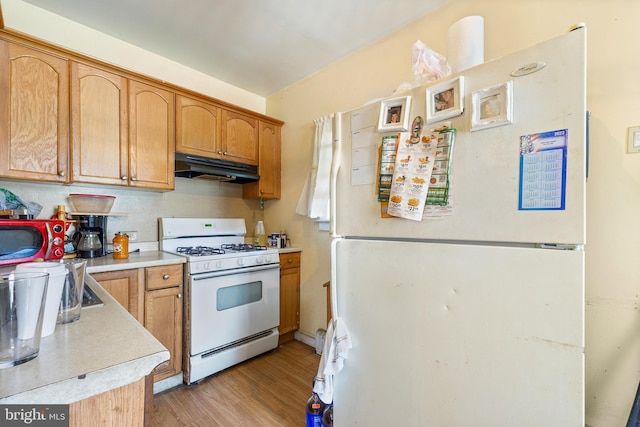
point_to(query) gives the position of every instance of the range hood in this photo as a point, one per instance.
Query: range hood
(190, 166)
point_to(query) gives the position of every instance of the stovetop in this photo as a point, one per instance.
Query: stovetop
(202, 259)
(236, 250)
(223, 249)
(212, 245)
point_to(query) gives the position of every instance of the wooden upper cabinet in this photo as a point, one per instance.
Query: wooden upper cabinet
(151, 136)
(239, 138)
(269, 167)
(100, 148)
(198, 129)
(122, 130)
(34, 114)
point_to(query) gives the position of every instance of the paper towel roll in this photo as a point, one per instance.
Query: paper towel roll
(465, 43)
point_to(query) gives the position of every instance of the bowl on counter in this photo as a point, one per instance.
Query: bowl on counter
(92, 203)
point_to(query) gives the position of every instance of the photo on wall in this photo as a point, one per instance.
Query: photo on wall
(445, 100)
(394, 115)
(492, 106)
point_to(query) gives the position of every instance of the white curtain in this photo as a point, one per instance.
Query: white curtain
(314, 200)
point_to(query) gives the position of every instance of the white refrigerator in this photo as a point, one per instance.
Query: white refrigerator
(474, 318)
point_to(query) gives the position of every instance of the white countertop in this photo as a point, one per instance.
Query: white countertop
(290, 249)
(105, 349)
(135, 260)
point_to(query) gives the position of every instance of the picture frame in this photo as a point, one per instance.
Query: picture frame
(492, 106)
(394, 115)
(445, 100)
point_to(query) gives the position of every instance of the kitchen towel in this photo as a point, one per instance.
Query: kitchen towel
(336, 349)
(314, 200)
(465, 43)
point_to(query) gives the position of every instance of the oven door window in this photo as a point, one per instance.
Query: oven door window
(235, 296)
(19, 242)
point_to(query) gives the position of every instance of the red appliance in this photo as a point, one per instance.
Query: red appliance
(24, 240)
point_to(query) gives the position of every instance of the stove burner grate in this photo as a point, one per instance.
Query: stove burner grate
(242, 247)
(199, 250)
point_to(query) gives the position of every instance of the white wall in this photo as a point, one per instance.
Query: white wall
(613, 189)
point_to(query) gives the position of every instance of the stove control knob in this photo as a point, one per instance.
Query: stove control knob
(240, 262)
(260, 260)
(219, 264)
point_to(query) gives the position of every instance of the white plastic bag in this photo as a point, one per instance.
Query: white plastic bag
(8, 200)
(427, 64)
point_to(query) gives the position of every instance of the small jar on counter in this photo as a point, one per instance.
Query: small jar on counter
(121, 246)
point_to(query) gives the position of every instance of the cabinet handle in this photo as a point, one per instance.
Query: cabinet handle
(220, 152)
(124, 177)
(290, 260)
(61, 173)
(166, 277)
(224, 153)
(179, 296)
(133, 178)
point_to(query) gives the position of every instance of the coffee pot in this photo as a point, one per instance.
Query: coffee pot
(89, 241)
(90, 237)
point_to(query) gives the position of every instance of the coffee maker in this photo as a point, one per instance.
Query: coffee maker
(90, 237)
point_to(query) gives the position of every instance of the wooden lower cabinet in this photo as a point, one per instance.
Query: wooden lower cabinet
(124, 286)
(163, 306)
(153, 295)
(289, 295)
(123, 406)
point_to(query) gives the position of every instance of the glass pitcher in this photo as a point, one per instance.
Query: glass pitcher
(89, 240)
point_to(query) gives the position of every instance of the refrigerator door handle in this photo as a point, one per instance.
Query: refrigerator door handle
(560, 246)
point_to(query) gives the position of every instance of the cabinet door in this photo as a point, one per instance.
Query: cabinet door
(123, 286)
(239, 138)
(34, 114)
(163, 318)
(198, 129)
(289, 295)
(269, 164)
(99, 139)
(151, 136)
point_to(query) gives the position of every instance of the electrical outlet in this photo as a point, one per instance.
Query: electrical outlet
(133, 235)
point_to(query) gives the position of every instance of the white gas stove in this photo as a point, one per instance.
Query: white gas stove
(232, 290)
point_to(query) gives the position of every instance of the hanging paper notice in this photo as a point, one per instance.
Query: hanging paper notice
(543, 171)
(411, 175)
(363, 146)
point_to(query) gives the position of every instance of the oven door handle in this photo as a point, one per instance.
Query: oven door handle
(235, 271)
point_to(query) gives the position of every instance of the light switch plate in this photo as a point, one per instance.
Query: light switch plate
(633, 140)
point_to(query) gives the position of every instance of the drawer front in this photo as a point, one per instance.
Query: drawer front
(166, 276)
(290, 260)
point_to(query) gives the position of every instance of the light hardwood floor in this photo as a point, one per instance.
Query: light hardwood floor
(268, 390)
